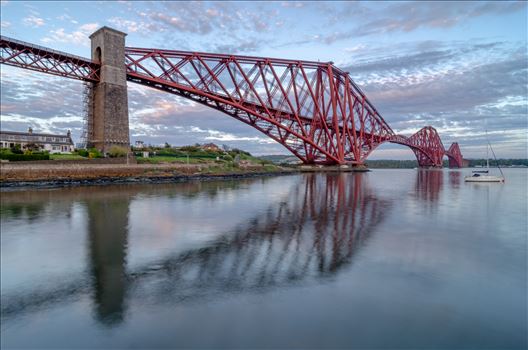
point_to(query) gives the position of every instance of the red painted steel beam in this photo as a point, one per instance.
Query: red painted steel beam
(429, 149)
(313, 109)
(28, 56)
(455, 156)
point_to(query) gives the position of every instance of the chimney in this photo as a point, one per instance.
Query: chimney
(68, 133)
(30, 130)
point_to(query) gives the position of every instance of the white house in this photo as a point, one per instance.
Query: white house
(49, 142)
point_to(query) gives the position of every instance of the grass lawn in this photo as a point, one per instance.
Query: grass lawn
(65, 157)
(167, 159)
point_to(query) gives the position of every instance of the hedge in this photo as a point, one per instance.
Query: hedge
(22, 157)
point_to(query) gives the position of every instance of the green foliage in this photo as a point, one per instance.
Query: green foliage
(16, 157)
(32, 147)
(392, 164)
(82, 152)
(16, 149)
(501, 162)
(73, 156)
(409, 164)
(170, 152)
(94, 153)
(236, 151)
(117, 151)
(190, 148)
(269, 167)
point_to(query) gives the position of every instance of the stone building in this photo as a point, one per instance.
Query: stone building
(49, 142)
(211, 147)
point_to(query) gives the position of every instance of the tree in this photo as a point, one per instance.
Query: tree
(32, 146)
(16, 149)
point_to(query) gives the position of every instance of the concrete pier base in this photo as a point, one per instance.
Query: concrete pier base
(334, 168)
(110, 100)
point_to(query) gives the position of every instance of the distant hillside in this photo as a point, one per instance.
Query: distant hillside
(281, 158)
(409, 164)
(403, 164)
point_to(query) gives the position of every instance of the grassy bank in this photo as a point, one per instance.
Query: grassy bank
(20, 172)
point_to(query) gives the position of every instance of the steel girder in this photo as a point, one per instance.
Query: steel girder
(429, 149)
(313, 109)
(25, 55)
(455, 156)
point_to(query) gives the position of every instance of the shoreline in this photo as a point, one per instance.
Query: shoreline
(128, 180)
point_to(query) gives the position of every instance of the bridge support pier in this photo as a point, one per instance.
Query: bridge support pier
(110, 100)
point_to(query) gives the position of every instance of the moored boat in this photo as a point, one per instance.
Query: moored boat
(483, 175)
(476, 177)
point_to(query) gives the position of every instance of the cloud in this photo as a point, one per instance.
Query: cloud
(130, 26)
(33, 21)
(455, 88)
(445, 91)
(407, 16)
(77, 37)
(294, 4)
(5, 24)
(215, 26)
(47, 103)
(66, 17)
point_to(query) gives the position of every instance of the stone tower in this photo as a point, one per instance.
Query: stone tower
(110, 101)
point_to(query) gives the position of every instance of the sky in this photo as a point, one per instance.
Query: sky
(460, 67)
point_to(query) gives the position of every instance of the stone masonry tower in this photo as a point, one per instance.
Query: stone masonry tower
(110, 101)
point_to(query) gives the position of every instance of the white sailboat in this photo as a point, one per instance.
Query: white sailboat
(483, 175)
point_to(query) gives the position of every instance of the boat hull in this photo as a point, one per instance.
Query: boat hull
(483, 179)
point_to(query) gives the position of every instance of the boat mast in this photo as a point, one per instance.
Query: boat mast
(487, 145)
(487, 155)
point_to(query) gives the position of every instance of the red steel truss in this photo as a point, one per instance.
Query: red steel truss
(313, 109)
(25, 55)
(455, 156)
(428, 148)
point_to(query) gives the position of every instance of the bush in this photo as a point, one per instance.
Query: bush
(117, 151)
(239, 151)
(170, 153)
(190, 148)
(16, 149)
(94, 153)
(15, 157)
(82, 152)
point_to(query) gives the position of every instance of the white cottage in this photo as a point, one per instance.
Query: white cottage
(48, 142)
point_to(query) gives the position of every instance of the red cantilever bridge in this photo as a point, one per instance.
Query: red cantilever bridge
(313, 109)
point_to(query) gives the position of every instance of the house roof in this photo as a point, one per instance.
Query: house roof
(30, 134)
(30, 137)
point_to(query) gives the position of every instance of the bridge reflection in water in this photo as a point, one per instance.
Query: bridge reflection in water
(311, 233)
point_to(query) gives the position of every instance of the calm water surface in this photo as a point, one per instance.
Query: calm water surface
(386, 259)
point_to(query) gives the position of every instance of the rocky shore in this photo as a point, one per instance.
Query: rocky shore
(55, 175)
